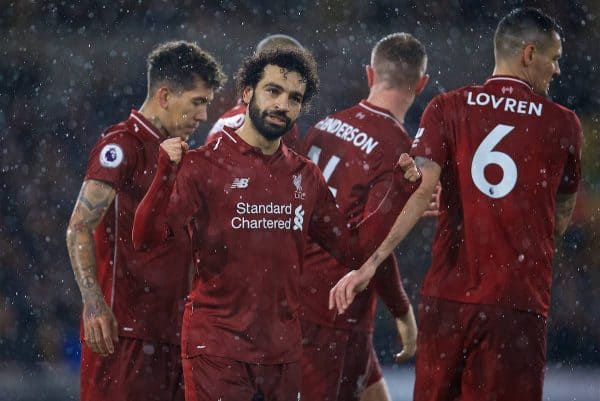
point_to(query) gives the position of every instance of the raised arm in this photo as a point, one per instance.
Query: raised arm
(99, 323)
(153, 215)
(342, 294)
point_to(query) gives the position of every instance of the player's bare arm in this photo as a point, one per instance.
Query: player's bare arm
(100, 325)
(565, 203)
(407, 331)
(342, 294)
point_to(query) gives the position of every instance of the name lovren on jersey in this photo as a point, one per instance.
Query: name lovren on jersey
(348, 133)
(504, 103)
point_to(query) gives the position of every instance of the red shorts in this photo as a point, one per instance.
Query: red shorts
(212, 378)
(137, 370)
(478, 352)
(337, 364)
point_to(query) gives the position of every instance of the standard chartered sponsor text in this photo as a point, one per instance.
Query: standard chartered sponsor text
(280, 219)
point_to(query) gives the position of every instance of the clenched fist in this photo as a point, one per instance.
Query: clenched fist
(175, 147)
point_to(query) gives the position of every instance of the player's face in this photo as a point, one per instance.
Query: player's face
(276, 101)
(545, 65)
(187, 109)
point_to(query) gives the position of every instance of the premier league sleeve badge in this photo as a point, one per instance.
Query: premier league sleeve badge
(111, 155)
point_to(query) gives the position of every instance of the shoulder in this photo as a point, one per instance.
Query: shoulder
(299, 162)
(450, 97)
(117, 144)
(120, 135)
(559, 111)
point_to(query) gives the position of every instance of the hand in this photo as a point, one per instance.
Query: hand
(100, 326)
(174, 147)
(343, 293)
(407, 331)
(433, 209)
(407, 164)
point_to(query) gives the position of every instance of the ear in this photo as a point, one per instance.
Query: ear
(421, 84)
(162, 96)
(247, 94)
(370, 75)
(527, 54)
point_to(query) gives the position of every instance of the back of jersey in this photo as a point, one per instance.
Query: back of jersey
(505, 153)
(356, 150)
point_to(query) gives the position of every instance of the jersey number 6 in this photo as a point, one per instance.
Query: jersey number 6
(485, 155)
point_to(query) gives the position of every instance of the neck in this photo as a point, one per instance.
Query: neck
(510, 70)
(396, 101)
(252, 137)
(150, 112)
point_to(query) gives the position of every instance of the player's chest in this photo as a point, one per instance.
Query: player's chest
(263, 197)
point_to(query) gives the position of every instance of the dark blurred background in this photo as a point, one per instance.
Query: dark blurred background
(68, 69)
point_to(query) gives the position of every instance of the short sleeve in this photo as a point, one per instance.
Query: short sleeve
(431, 141)
(113, 159)
(571, 177)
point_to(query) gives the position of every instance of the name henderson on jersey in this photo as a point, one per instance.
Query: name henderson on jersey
(243, 208)
(504, 103)
(348, 133)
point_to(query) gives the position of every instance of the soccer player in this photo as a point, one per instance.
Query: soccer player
(357, 149)
(509, 163)
(133, 301)
(250, 203)
(234, 117)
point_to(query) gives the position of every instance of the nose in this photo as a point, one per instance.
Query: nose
(282, 103)
(556, 70)
(202, 114)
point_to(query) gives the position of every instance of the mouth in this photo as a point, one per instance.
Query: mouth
(276, 120)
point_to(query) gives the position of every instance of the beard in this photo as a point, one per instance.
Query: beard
(267, 130)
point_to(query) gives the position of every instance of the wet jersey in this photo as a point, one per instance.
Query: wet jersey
(356, 149)
(146, 290)
(249, 215)
(505, 152)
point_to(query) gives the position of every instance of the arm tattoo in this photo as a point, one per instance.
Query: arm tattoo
(94, 200)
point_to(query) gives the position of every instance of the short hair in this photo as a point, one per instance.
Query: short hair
(180, 64)
(399, 59)
(523, 25)
(277, 40)
(298, 60)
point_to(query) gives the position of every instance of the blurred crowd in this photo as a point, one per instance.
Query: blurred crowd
(70, 69)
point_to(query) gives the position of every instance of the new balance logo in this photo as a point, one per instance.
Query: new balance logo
(240, 183)
(508, 89)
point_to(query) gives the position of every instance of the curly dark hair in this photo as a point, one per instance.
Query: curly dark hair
(180, 64)
(297, 60)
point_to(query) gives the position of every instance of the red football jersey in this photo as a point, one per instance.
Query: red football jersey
(250, 215)
(505, 153)
(146, 297)
(356, 149)
(234, 118)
